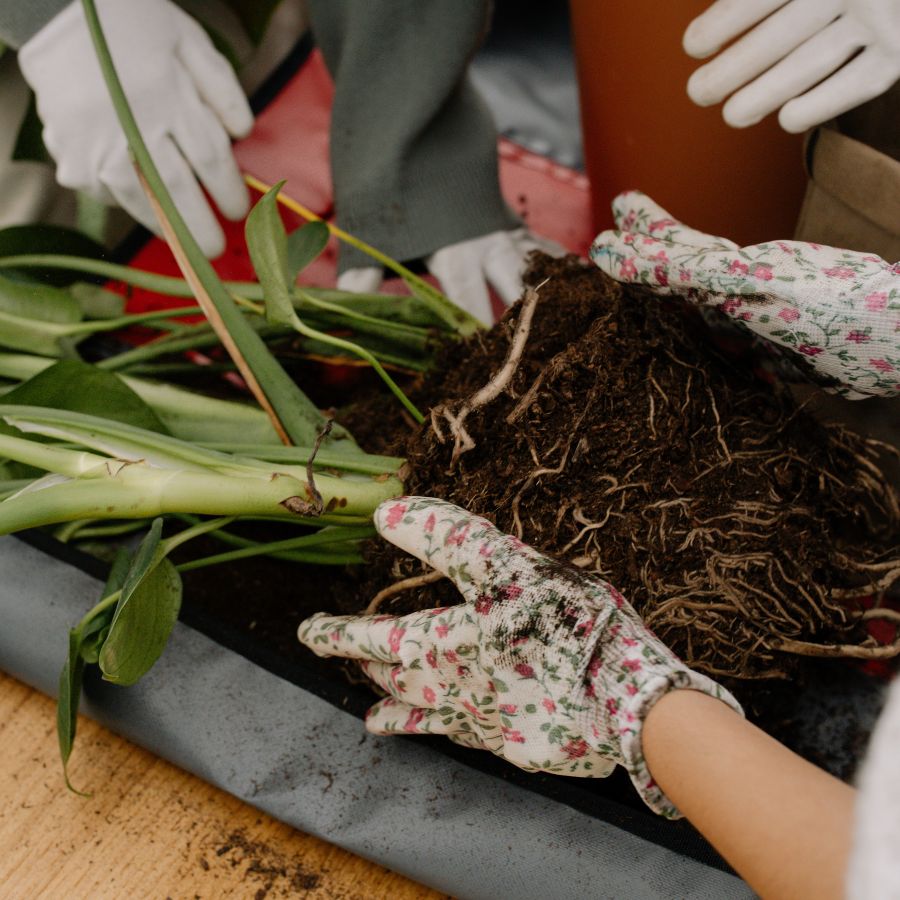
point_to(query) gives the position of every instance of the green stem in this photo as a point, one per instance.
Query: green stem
(248, 548)
(464, 323)
(160, 284)
(127, 442)
(96, 325)
(188, 415)
(405, 307)
(166, 547)
(71, 463)
(143, 492)
(13, 486)
(166, 369)
(368, 464)
(377, 326)
(357, 350)
(105, 603)
(192, 337)
(291, 410)
(174, 542)
(84, 530)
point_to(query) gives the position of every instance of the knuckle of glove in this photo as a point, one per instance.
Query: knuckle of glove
(556, 622)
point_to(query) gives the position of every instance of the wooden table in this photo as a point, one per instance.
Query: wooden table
(150, 829)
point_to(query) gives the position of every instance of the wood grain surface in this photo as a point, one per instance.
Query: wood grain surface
(149, 829)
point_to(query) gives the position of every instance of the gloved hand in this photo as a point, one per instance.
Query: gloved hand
(183, 92)
(465, 269)
(796, 59)
(838, 310)
(542, 665)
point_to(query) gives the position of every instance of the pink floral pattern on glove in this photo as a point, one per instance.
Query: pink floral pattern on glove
(838, 310)
(543, 665)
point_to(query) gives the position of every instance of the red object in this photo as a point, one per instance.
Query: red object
(290, 141)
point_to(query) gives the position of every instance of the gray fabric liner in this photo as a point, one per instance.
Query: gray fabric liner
(394, 801)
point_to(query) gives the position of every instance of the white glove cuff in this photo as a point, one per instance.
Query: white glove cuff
(639, 707)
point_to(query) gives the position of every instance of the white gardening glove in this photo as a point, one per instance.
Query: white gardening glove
(802, 58)
(542, 665)
(836, 310)
(183, 92)
(465, 270)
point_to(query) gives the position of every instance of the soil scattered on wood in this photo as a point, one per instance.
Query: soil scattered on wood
(267, 871)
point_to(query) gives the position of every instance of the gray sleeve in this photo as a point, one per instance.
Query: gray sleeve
(413, 146)
(21, 20)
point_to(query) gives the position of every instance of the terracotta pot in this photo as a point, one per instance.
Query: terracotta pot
(642, 131)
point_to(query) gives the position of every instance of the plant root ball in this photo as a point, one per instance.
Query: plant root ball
(627, 444)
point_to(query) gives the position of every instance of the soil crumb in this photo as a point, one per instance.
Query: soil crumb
(268, 872)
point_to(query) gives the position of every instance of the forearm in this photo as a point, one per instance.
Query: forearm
(784, 824)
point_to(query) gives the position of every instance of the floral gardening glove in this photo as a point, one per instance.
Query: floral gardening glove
(543, 665)
(837, 309)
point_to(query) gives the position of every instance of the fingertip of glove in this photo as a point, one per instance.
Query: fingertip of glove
(212, 244)
(700, 90)
(695, 41)
(737, 116)
(792, 121)
(236, 204)
(603, 248)
(390, 513)
(238, 119)
(304, 630)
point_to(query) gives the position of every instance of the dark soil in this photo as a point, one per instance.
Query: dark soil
(629, 445)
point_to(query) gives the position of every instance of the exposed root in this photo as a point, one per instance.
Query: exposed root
(407, 584)
(889, 615)
(866, 650)
(873, 587)
(462, 440)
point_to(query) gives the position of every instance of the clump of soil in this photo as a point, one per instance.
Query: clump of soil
(265, 866)
(626, 444)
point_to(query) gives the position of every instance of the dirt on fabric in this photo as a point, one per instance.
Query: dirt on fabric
(629, 445)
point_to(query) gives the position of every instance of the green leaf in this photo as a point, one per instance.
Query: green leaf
(267, 243)
(97, 302)
(81, 651)
(80, 387)
(145, 614)
(303, 246)
(40, 302)
(21, 240)
(32, 336)
(70, 681)
(95, 630)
